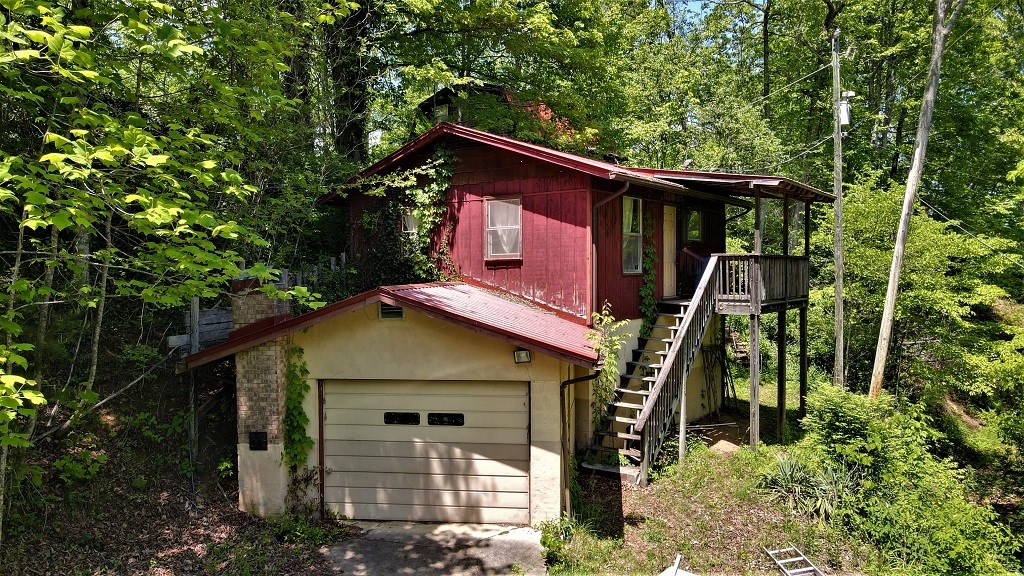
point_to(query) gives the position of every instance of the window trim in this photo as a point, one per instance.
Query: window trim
(488, 257)
(639, 236)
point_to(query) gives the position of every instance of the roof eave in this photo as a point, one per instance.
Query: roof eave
(664, 186)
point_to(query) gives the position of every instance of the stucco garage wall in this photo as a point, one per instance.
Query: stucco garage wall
(360, 346)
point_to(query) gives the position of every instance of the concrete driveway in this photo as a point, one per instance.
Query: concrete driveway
(415, 548)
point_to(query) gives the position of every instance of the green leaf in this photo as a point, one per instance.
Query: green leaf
(155, 159)
(36, 35)
(61, 219)
(102, 154)
(81, 31)
(53, 158)
(33, 197)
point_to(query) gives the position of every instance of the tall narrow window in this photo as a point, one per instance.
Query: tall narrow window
(504, 229)
(632, 235)
(695, 226)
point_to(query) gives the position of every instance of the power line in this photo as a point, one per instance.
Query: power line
(777, 90)
(813, 147)
(972, 234)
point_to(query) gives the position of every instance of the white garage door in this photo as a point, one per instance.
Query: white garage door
(427, 451)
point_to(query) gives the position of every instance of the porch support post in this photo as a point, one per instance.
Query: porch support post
(803, 361)
(755, 380)
(780, 419)
(755, 323)
(803, 317)
(785, 227)
(758, 221)
(807, 229)
(682, 425)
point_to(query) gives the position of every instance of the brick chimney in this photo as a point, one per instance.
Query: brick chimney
(260, 390)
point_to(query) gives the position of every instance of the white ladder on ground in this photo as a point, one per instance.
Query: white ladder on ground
(792, 562)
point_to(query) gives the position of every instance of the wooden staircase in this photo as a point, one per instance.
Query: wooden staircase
(642, 411)
(616, 445)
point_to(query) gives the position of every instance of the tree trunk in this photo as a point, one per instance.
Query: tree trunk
(9, 341)
(765, 53)
(97, 326)
(940, 31)
(350, 76)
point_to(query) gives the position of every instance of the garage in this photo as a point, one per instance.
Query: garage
(444, 451)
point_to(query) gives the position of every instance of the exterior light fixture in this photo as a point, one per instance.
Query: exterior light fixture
(521, 356)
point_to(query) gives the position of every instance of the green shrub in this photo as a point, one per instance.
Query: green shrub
(912, 505)
(813, 490)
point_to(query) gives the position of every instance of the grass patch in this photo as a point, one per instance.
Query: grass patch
(709, 509)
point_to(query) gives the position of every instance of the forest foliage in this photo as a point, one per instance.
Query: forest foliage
(149, 150)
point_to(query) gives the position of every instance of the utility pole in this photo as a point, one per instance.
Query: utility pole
(839, 372)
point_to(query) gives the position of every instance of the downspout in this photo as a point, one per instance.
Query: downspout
(566, 472)
(594, 305)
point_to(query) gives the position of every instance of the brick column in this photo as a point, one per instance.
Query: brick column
(260, 388)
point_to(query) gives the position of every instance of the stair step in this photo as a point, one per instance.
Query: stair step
(623, 435)
(628, 452)
(628, 405)
(630, 391)
(622, 419)
(627, 377)
(649, 351)
(628, 473)
(643, 365)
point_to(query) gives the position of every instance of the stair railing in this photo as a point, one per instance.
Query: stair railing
(656, 417)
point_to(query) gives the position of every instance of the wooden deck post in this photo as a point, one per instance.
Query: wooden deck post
(755, 283)
(780, 417)
(803, 317)
(803, 361)
(755, 380)
(682, 425)
(780, 342)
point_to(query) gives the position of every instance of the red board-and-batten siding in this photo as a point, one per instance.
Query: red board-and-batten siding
(621, 290)
(555, 267)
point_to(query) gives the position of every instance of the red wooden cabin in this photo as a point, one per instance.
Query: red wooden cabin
(567, 232)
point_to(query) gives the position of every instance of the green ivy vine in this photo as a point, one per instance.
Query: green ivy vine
(388, 254)
(297, 443)
(606, 337)
(648, 303)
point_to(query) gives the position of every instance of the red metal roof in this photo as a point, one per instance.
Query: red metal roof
(721, 185)
(495, 314)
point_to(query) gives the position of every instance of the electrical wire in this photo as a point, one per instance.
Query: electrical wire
(972, 234)
(813, 147)
(777, 90)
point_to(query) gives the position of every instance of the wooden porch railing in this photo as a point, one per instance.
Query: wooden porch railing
(657, 415)
(746, 281)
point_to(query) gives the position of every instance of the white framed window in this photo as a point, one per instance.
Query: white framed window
(504, 240)
(410, 222)
(632, 235)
